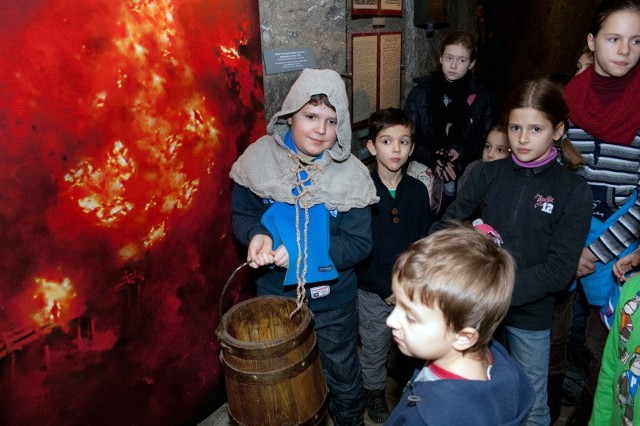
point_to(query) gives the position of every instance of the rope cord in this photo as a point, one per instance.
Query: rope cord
(299, 184)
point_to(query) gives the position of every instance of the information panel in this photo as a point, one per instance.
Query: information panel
(376, 60)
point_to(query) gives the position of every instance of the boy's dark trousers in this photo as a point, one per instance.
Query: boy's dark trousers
(560, 330)
(596, 336)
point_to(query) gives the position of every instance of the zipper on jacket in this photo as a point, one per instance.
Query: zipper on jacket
(525, 183)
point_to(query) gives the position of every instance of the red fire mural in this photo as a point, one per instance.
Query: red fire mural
(119, 121)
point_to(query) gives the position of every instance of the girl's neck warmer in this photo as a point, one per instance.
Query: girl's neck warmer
(553, 154)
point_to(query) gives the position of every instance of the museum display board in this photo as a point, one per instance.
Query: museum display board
(376, 7)
(376, 69)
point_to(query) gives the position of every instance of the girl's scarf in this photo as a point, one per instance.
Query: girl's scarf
(450, 120)
(605, 107)
(533, 164)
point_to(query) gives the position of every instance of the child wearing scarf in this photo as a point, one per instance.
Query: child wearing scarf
(605, 121)
(453, 114)
(541, 210)
(301, 206)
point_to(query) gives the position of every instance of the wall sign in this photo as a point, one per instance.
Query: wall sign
(285, 60)
(376, 7)
(376, 68)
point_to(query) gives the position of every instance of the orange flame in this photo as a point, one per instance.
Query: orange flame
(153, 169)
(54, 300)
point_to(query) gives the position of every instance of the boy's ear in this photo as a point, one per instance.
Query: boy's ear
(472, 64)
(371, 146)
(465, 339)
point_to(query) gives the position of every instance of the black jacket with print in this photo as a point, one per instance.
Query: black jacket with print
(543, 215)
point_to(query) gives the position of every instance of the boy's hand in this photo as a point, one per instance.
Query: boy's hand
(281, 256)
(587, 263)
(626, 264)
(260, 251)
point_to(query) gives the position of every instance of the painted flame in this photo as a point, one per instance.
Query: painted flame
(168, 139)
(55, 299)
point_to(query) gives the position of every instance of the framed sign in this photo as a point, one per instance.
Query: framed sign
(376, 7)
(285, 60)
(376, 69)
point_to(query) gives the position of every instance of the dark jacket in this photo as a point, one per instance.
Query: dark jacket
(484, 115)
(350, 242)
(504, 400)
(395, 224)
(543, 215)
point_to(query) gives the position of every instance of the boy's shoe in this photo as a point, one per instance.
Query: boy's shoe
(573, 385)
(554, 395)
(377, 406)
(582, 411)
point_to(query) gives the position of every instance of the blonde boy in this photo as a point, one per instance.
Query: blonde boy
(300, 205)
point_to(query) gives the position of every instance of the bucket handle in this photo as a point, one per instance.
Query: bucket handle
(222, 311)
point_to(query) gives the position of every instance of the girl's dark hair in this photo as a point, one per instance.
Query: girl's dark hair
(546, 96)
(608, 8)
(389, 117)
(460, 37)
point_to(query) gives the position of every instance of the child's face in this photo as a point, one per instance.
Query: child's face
(496, 147)
(583, 62)
(616, 47)
(531, 134)
(418, 330)
(455, 61)
(392, 147)
(313, 129)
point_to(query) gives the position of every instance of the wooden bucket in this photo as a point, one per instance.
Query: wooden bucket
(272, 369)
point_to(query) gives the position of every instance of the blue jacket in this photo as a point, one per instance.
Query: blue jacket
(350, 243)
(506, 399)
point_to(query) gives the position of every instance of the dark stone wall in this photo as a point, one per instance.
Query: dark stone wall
(530, 38)
(326, 27)
(541, 37)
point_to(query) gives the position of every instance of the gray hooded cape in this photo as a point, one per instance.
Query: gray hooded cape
(267, 167)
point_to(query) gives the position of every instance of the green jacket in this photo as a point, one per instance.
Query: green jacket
(617, 400)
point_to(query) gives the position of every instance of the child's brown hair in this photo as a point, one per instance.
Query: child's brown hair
(468, 277)
(546, 96)
(462, 38)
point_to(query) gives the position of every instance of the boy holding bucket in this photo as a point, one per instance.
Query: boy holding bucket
(451, 291)
(301, 205)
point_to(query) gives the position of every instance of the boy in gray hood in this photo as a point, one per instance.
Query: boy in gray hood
(301, 206)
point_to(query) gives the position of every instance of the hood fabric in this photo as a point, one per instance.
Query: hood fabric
(316, 82)
(269, 168)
